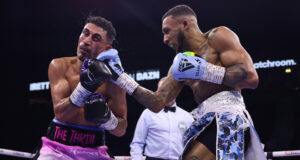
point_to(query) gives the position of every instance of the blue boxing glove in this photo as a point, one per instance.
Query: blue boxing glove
(119, 77)
(188, 66)
(112, 60)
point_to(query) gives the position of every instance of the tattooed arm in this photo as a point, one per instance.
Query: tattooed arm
(240, 72)
(155, 101)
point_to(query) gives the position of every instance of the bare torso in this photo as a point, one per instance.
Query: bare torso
(71, 73)
(201, 89)
(219, 46)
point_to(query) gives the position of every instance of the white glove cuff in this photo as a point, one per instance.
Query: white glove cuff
(79, 95)
(111, 124)
(126, 82)
(213, 73)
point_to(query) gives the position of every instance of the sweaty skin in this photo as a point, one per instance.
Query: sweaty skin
(219, 46)
(64, 76)
(228, 53)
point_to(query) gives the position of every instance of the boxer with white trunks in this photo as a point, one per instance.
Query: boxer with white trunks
(216, 67)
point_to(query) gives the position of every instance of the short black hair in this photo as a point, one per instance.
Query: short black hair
(179, 10)
(105, 24)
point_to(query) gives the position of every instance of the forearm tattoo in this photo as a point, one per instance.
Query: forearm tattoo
(234, 75)
(147, 98)
(167, 91)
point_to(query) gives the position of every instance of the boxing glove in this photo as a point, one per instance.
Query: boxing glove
(93, 74)
(96, 110)
(188, 66)
(111, 58)
(119, 77)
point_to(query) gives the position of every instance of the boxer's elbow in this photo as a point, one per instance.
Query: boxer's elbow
(253, 82)
(121, 128)
(117, 133)
(243, 77)
(59, 115)
(157, 107)
(120, 133)
(64, 110)
(62, 113)
(252, 77)
(157, 104)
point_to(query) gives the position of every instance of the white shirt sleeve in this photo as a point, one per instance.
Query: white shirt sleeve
(139, 138)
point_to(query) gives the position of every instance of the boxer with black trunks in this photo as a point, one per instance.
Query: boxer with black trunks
(85, 102)
(216, 67)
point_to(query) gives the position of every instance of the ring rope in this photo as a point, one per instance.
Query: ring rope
(273, 154)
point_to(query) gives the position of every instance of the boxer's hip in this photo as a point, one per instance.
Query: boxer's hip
(225, 101)
(229, 110)
(72, 141)
(56, 151)
(75, 135)
(225, 104)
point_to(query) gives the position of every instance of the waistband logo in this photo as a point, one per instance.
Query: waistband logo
(73, 136)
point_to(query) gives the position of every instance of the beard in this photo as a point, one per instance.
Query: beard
(180, 39)
(81, 58)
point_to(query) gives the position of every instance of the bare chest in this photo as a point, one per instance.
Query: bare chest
(201, 89)
(72, 76)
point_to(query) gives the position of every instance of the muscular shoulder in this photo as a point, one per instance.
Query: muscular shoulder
(59, 66)
(222, 38)
(62, 63)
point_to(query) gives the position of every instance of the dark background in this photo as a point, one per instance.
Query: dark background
(34, 32)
